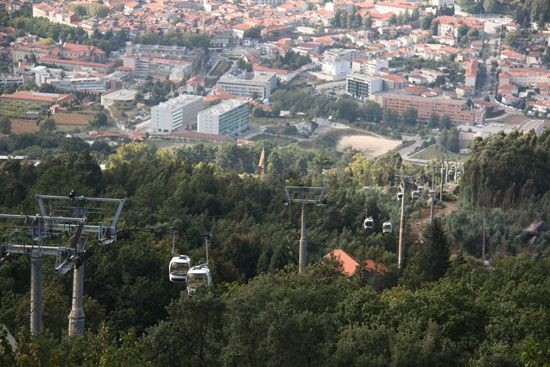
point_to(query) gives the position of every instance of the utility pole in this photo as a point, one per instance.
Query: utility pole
(483, 245)
(442, 179)
(76, 316)
(207, 237)
(401, 225)
(432, 197)
(36, 293)
(304, 195)
(302, 263)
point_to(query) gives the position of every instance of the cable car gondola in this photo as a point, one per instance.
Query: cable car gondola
(386, 227)
(420, 189)
(199, 277)
(368, 223)
(399, 196)
(178, 268)
(415, 195)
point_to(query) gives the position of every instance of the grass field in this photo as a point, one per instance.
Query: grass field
(72, 119)
(435, 151)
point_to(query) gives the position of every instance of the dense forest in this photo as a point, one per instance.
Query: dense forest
(445, 307)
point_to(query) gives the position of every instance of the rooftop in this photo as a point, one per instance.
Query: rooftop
(224, 106)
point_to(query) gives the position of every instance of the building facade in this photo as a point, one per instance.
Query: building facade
(258, 85)
(176, 113)
(230, 117)
(362, 86)
(457, 110)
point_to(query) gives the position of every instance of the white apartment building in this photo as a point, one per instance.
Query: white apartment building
(337, 63)
(362, 86)
(227, 118)
(439, 3)
(270, 2)
(368, 66)
(176, 113)
(257, 85)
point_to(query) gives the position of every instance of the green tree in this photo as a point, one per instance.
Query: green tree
(5, 125)
(429, 261)
(410, 116)
(427, 21)
(47, 124)
(99, 120)
(434, 120)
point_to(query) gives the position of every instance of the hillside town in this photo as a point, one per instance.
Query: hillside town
(155, 69)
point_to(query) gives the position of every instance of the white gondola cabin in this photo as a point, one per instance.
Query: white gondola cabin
(178, 268)
(399, 196)
(199, 277)
(386, 227)
(415, 195)
(368, 223)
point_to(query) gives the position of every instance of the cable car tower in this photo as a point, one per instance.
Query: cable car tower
(304, 195)
(46, 227)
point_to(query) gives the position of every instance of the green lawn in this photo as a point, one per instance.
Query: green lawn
(435, 151)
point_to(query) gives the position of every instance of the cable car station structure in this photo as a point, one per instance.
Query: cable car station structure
(45, 228)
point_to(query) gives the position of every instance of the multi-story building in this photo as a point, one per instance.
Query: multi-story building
(270, 2)
(337, 63)
(170, 54)
(368, 66)
(524, 77)
(256, 85)
(230, 117)
(457, 110)
(362, 86)
(176, 113)
(158, 68)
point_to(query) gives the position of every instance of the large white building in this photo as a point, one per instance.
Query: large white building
(230, 117)
(368, 66)
(176, 113)
(337, 63)
(256, 85)
(362, 86)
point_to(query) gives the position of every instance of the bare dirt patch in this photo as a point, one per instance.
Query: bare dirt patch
(22, 126)
(371, 145)
(72, 119)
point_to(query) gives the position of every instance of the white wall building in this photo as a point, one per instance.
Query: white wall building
(257, 85)
(439, 3)
(230, 117)
(337, 63)
(368, 66)
(362, 86)
(176, 113)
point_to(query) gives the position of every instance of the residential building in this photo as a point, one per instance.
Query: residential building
(439, 3)
(337, 63)
(471, 73)
(176, 113)
(457, 110)
(368, 66)
(250, 85)
(362, 86)
(387, 7)
(525, 77)
(158, 68)
(270, 2)
(230, 117)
